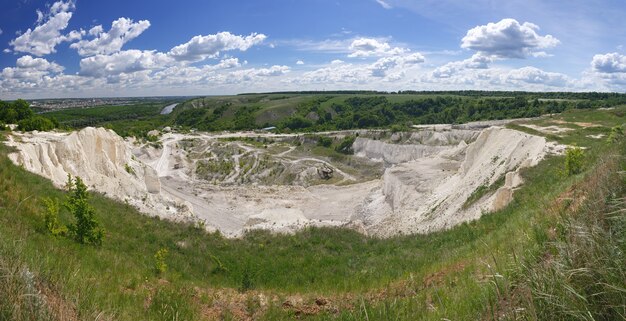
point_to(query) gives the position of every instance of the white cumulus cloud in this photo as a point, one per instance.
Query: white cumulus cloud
(385, 69)
(210, 46)
(371, 47)
(28, 69)
(508, 39)
(122, 31)
(46, 36)
(477, 61)
(40, 64)
(382, 65)
(609, 63)
(127, 61)
(532, 75)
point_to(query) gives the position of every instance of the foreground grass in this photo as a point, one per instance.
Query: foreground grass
(443, 275)
(581, 272)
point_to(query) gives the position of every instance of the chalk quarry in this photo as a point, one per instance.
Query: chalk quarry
(395, 183)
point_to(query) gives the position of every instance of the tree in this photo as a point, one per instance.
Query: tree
(22, 109)
(573, 161)
(35, 123)
(86, 229)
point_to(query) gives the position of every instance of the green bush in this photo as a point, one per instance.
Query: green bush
(159, 261)
(86, 229)
(324, 141)
(246, 279)
(399, 128)
(129, 169)
(51, 217)
(35, 123)
(15, 111)
(574, 160)
(296, 122)
(345, 146)
(615, 134)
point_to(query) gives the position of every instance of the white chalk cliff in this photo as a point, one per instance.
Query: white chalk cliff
(102, 160)
(429, 193)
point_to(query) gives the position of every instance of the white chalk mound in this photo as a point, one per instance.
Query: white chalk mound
(431, 193)
(102, 160)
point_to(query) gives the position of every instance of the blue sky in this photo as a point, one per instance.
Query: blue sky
(136, 48)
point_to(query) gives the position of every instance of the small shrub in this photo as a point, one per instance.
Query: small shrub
(159, 261)
(246, 279)
(51, 217)
(86, 229)
(345, 147)
(615, 134)
(219, 267)
(152, 138)
(324, 141)
(574, 160)
(399, 128)
(129, 169)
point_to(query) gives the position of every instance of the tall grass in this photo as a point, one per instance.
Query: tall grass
(20, 295)
(581, 273)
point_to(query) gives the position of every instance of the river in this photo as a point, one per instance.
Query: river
(168, 109)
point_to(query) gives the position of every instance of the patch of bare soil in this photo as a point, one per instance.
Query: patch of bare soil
(215, 304)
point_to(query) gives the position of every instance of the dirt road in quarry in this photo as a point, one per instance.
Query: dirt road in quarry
(234, 208)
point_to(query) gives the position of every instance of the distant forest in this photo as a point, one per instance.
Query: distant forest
(365, 109)
(467, 93)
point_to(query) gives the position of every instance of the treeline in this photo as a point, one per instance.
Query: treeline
(331, 92)
(376, 111)
(95, 116)
(19, 112)
(467, 93)
(528, 95)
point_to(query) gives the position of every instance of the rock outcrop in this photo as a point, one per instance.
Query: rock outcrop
(411, 145)
(102, 159)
